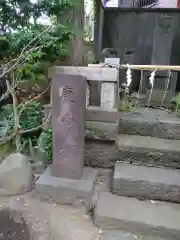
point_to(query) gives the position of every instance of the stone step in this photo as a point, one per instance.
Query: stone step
(150, 122)
(138, 217)
(121, 235)
(146, 182)
(148, 150)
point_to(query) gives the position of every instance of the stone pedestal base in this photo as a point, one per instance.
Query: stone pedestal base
(64, 190)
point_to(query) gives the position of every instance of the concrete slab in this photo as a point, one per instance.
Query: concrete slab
(66, 191)
(149, 150)
(138, 217)
(150, 122)
(146, 182)
(121, 235)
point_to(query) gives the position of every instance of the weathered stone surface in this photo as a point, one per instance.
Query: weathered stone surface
(92, 73)
(64, 190)
(68, 108)
(138, 217)
(100, 154)
(146, 182)
(150, 122)
(15, 175)
(149, 150)
(108, 95)
(161, 54)
(101, 130)
(98, 114)
(121, 235)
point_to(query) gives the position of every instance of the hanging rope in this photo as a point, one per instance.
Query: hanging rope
(140, 88)
(166, 86)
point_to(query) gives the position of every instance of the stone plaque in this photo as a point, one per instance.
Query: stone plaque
(163, 38)
(68, 108)
(161, 54)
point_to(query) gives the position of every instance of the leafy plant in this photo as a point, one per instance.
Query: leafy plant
(30, 118)
(16, 14)
(45, 143)
(125, 106)
(175, 103)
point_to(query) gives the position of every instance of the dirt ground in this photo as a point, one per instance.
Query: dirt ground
(28, 218)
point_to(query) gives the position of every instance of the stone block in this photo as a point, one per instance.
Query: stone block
(109, 95)
(121, 235)
(98, 114)
(150, 122)
(146, 182)
(92, 73)
(149, 151)
(138, 217)
(64, 190)
(101, 130)
(68, 110)
(100, 153)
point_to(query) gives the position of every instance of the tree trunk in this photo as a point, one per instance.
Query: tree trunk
(75, 17)
(77, 48)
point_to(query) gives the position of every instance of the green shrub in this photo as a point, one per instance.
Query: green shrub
(45, 144)
(30, 118)
(175, 103)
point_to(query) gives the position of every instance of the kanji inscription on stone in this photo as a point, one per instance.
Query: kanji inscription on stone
(68, 108)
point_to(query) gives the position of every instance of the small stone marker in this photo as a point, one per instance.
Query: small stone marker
(68, 110)
(66, 180)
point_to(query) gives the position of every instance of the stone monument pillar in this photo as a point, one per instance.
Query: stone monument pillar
(66, 179)
(68, 110)
(161, 55)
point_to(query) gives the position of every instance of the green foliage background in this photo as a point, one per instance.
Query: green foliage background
(16, 32)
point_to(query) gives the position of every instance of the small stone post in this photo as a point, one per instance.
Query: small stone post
(68, 107)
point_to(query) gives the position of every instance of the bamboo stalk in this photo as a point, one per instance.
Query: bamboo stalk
(151, 67)
(142, 67)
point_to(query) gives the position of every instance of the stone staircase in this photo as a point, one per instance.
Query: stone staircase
(143, 201)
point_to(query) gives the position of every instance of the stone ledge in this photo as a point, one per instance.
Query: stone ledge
(148, 150)
(138, 217)
(121, 235)
(151, 122)
(99, 114)
(102, 74)
(146, 182)
(66, 191)
(101, 130)
(102, 154)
